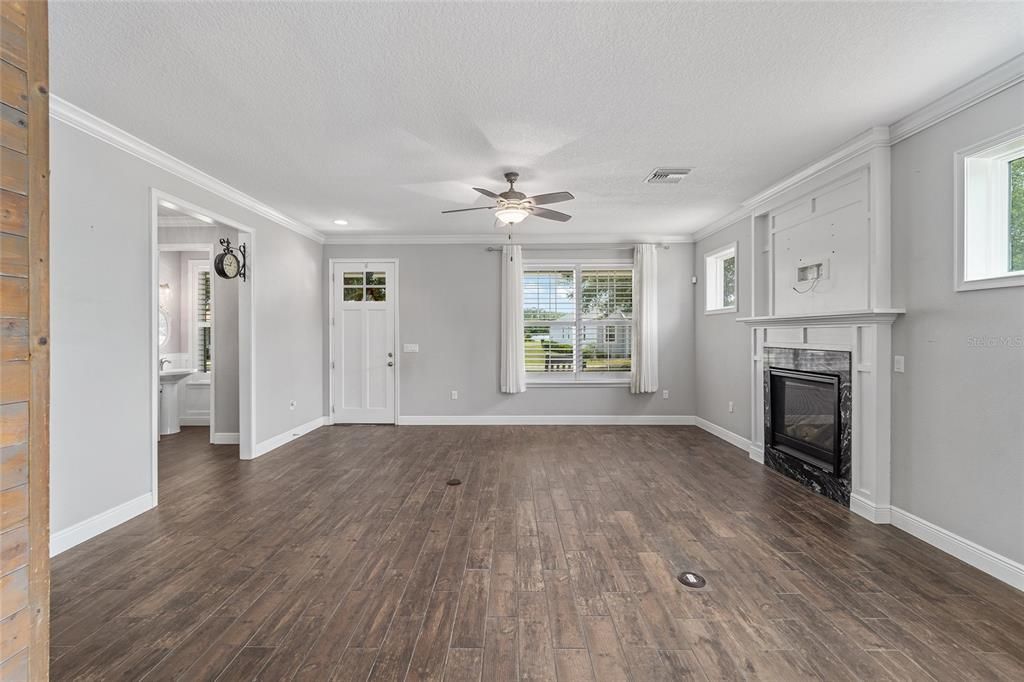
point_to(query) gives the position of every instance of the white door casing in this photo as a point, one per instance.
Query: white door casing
(364, 361)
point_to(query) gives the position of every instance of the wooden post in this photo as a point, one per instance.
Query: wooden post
(25, 349)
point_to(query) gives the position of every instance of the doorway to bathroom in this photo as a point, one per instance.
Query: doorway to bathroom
(202, 343)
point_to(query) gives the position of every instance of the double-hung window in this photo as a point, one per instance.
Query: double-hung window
(577, 322)
(990, 217)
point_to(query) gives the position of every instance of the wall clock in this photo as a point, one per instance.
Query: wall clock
(227, 264)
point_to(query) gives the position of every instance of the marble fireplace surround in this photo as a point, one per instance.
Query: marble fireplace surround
(835, 486)
(867, 337)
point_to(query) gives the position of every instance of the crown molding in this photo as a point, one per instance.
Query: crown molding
(725, 221)
(66, 112)
(499, 239)
(1004, 76)
(872, 138)
(993, 82)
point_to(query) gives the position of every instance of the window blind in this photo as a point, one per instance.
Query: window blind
(204, 320)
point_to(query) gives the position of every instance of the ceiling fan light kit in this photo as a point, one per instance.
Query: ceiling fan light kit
(511, 215)
(514, 207)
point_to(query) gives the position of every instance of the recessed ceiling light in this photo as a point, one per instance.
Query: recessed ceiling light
(339, 221)
(167, 204)
(205, 219)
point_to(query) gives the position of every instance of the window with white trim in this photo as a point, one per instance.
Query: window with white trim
(990, 226)
(578, 322)
(201, 315)
(720, 280)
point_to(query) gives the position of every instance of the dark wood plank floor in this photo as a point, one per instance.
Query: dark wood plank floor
(345, 556)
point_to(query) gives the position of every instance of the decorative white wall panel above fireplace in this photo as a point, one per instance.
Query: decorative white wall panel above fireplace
(822, 245)
(819, 246)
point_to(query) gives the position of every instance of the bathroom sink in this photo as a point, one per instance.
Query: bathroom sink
(172, 376)
(169, 379)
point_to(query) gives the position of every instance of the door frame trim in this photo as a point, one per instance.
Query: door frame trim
(330, 332)
(246, 334)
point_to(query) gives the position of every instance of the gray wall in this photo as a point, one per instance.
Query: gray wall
(100, 295)
(170, 274)
(958, 411)
(723, 344)
(449, 304)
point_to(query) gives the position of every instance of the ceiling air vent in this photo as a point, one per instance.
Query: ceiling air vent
(667, 176)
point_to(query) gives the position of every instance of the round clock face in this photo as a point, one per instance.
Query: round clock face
(227, 265)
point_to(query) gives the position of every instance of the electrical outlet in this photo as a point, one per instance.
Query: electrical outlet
(897, 364)
(664, 394)
(291, 405)
(455, 395)
(732, 408)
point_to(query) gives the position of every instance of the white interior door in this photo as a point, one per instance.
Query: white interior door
(363, 353)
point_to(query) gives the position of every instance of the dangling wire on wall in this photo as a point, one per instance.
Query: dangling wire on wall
(808, 289)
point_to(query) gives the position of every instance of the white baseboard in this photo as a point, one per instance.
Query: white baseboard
(225, 439)
(874, 514)
(756, 453)
(194, 421)
(265, 446)
(65, 539)
(545, 420)
(725, 434)
(996, 565)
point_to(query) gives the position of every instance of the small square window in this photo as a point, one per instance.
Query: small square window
(720, 280)
(990, 214)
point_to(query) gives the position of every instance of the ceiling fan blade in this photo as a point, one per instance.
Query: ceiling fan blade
(552, 198)
(550, 215)
(475, 208)
(486, 193)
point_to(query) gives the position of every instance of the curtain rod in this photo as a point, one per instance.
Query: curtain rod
(610, 247)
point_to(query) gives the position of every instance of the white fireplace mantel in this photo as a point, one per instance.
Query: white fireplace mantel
(867, 336)
(876, 316)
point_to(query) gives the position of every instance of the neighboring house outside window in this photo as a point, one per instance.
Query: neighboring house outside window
(990, 214)
(578, 322)
(720, 280)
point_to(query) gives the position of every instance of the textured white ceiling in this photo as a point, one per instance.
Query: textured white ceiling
(386, 113)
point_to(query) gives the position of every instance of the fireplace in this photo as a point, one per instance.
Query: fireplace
(805, 416)
(808, 409)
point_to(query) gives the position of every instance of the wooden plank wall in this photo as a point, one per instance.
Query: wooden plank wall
(24, 342)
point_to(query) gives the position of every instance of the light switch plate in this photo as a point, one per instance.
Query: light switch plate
(897, 364)
(411, 348)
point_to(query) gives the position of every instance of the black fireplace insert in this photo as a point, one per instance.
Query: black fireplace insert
(805, 416)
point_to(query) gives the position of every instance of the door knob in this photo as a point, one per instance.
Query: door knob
(390, 364)
(391, 355)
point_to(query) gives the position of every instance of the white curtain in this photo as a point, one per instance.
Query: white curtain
(644, 375)
(513, 360)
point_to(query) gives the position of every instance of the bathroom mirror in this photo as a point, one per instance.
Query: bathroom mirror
(164, 328)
